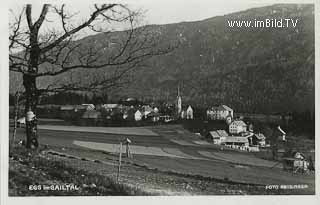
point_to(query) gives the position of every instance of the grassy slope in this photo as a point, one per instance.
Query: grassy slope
(27, 168)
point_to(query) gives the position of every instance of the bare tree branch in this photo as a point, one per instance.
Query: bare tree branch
(67, 34)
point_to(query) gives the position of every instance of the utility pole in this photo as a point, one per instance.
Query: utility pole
(119, 165)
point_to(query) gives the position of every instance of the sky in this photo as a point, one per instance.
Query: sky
(155, 12)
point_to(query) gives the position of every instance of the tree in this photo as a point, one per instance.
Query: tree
(37, 53)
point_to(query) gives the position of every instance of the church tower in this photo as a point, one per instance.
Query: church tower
(179, 102)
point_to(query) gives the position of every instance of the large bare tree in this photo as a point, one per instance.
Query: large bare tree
(38, 52)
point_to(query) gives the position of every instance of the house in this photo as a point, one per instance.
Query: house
(189, 113)
(156, 110)
(129, 114)
(166, 118)
(138, 115)
(296, 163)
(219, 112)
(67, 107)
(72, 111)
(146, 110)
(217, 136)
(259, 139)
(236, 141)
(125, 115)
(183, 114)
(89, 106)
(237, 127)
(110, 107)
(83, 108)
(130, 102)
(154, 117)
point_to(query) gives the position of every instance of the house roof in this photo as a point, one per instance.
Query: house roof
(67, 107)
(147, 109)
(153, 114)
(110, 106)
(227, 108)
(138, 112)
(222, 133)
(239, 123)
(81, 107)
(218, 133)
(221, 107)
(260, 136)
(214, 134)
(236, 139)
(189, 108)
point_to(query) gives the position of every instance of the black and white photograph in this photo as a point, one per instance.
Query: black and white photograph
(160, 98)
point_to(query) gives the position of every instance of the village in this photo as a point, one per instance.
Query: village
(227, 127)
(219, 126)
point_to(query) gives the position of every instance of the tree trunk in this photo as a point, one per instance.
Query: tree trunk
(29, 83)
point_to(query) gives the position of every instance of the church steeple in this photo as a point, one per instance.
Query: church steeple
(179, 101)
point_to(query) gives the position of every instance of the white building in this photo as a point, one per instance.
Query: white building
(89, 106)
(110, 107)
(220, 112)
(237, 127)
(137, 115)
(189, 113)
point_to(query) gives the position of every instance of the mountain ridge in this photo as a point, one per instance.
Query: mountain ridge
(250, 69)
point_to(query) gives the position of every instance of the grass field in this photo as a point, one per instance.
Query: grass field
(27, 169)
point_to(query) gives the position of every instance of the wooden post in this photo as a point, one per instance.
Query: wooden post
(16, 109)
(119, 165)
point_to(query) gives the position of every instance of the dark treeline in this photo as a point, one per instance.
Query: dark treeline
(67, 98)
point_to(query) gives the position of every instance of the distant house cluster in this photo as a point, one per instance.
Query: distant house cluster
(238, 134)
(127, 110)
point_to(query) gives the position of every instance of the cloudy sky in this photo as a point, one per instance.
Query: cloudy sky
(155, 11)
(165, 11)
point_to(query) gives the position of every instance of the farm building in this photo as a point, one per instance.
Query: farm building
(217, 136)
(258, 139)
(296, 163)
(237, 127)
(237, 141)
(220, 112)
